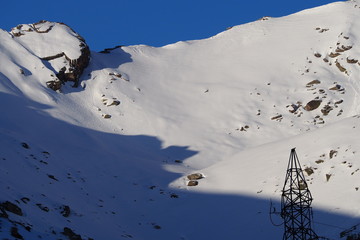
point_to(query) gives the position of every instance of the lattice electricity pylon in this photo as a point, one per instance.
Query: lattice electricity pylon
(295, 203)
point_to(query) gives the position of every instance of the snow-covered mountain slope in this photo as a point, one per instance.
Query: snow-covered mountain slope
(109, 159)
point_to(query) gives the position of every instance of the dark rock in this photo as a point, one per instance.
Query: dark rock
(309, 171)
(312, 83)
(25, 200)
(3, 213)
(54, 84)
(115, 103)
(328, 177)
(11, 207)
(312, 105)
(115, 74)
(108, 50)
(339, 102)
(334, 55)
(193, 183)
(65, 211)
(343, 48)
(106, 116)
(294, 108)
(333, 153)
(157, 227)
(355, 236)
(71, 234)
(42, 207)
(352, 61)
(52, 177)
(53, 57)
(341, 68)
(173, 195)
(80, 64)
(77, 66)
(326, 109)
(323, 30)
(25, 145)
(195, 176)
(337, 87)
(14, 232)
(277, 117)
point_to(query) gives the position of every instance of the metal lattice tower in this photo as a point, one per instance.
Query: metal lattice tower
(295, 203)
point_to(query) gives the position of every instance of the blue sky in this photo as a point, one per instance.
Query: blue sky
(107, 23)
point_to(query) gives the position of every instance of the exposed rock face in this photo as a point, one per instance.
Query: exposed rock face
(68, 59)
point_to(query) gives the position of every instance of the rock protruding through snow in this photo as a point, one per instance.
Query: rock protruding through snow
(56, 43)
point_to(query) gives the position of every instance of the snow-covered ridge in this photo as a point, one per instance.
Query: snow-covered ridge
(45, 39)
(59, 45)
(110, 158)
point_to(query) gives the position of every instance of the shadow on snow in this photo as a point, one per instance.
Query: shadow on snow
(149, 209)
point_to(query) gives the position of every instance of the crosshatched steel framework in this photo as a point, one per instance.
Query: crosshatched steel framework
(295, 203)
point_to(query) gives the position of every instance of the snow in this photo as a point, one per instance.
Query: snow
(50, 44)
(211, 106)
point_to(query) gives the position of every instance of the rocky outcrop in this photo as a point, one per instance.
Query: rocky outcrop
(68, 49)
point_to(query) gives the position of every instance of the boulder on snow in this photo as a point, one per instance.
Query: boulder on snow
(278, 117)
(334, 55)
(312, 105)
(11, 207)
(193, 183)
(309, 171)
(106, 116)
(114, 103)
(195, 176)
(352, 61)
(341, 68)
(337, 87)
(318, 55)
(312, 83)
(65, 211)
(326, 109)
(333, 153)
